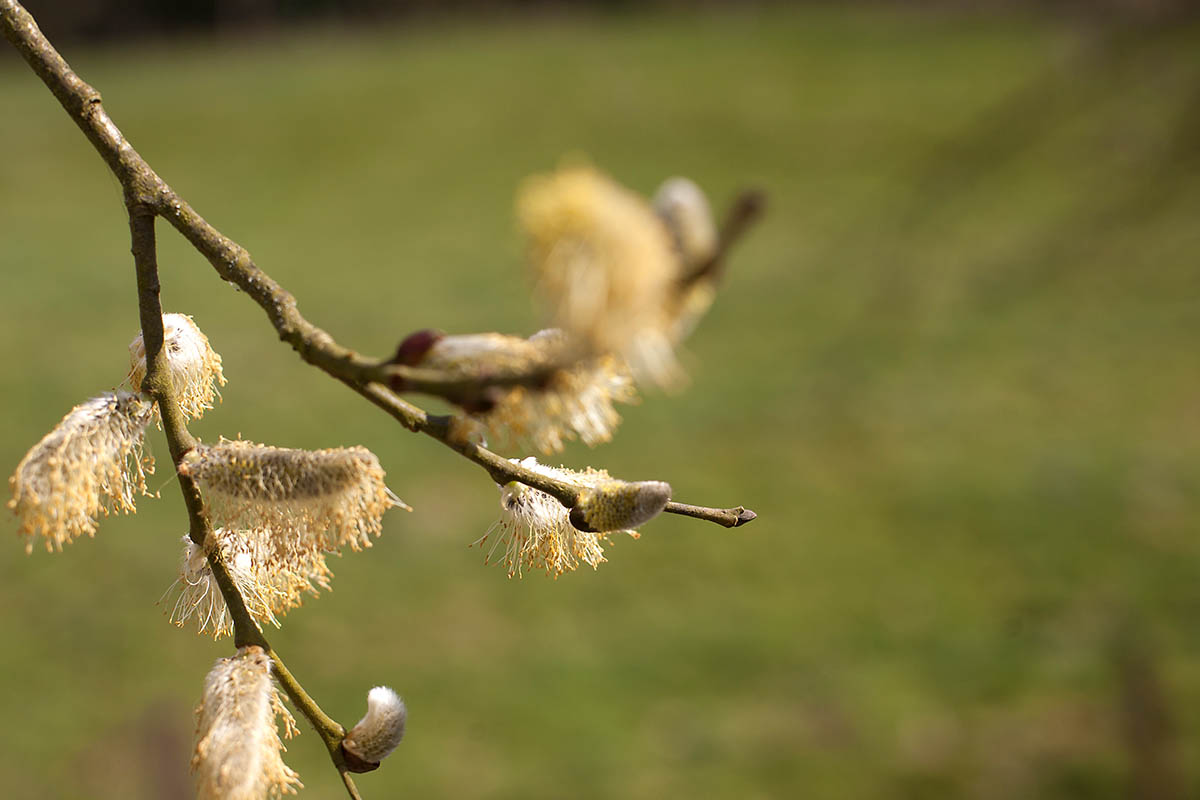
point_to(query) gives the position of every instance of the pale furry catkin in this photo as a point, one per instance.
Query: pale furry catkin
(194, 367)
(605, 263)
(535, 531)
(327, 498)
(379, 732)
(272, 577)
(576, 403)
(90, 464)
(238, 750)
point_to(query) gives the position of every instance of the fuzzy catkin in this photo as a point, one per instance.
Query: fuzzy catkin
(379, 732)
(90, 464)
(605, 263)
(615, 505)
(194, 367)
(237, 754)
(271, 576)
(328, 498)
(576, 403)
(535, 531)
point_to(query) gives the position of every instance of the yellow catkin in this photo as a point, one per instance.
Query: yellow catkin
(535, 531)
(272, 577)
(194, 367)
(238, 749)
(323, 499)
(606, 265)
(90, 464)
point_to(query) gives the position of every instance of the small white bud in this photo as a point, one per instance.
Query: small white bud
(379, 732)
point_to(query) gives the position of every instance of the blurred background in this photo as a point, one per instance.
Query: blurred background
(954, 371)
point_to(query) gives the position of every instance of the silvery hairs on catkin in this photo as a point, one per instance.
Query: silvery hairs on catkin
(577, 401)
(238, 750)
(322, 499)
(90, 464)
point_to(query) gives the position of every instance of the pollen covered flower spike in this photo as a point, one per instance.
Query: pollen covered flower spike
(313, 499)
(535, 531)
(194, 367)
(90, 464)
(606, 265)
(378, 733)
(270, 572)
(238, 750)
(576, 402)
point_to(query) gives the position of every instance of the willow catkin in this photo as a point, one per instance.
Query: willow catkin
(535, 530)
(380, 730)
(194, 367)
(605, 264)
(90, 464)
(271, 577)
(323, 499)
(577, 401)
(238, 750)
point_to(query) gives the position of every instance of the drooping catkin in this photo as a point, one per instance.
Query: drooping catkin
(535, 531)
(577, 401)
(90, 464)
(379, 732)
(194, 367)
(605, 263)
(237, 755)
(271, 574)
(328, 498)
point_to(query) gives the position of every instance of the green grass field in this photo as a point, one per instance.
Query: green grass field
(954, 371)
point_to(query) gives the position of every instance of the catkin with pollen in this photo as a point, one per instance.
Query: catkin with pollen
(90, 464)
(271, 577)
(328, 498)
(577, 401)
(535, 531)
(605, 264)
(193, 366)
(237, 755)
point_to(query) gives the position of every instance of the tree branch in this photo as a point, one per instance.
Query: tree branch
(144, 188)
